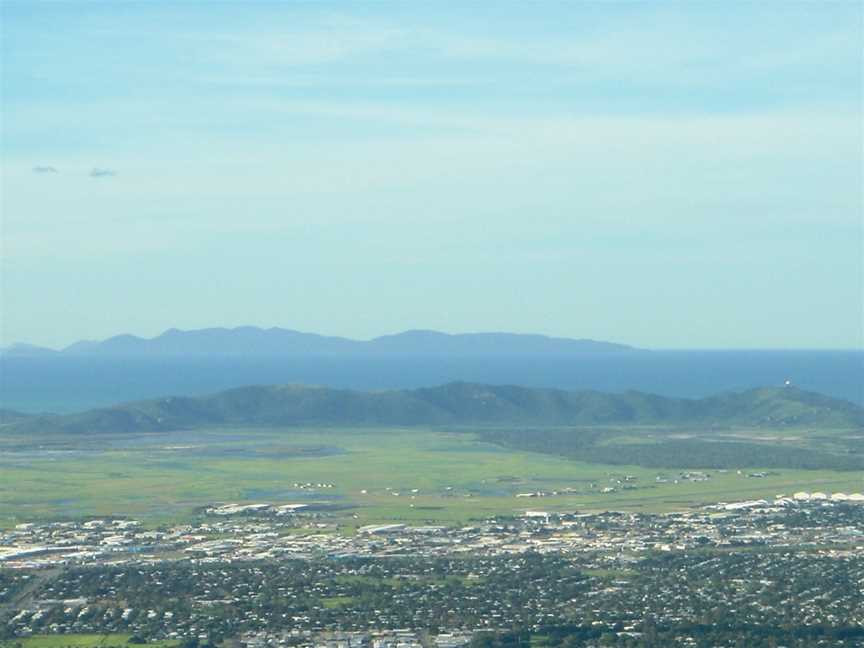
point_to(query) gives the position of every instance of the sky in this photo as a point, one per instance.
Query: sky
(668, 175)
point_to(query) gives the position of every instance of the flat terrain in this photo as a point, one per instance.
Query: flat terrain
(363, 475)
(78, 641)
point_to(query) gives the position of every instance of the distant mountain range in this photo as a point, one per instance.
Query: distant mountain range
(451, 404)
(253, 341)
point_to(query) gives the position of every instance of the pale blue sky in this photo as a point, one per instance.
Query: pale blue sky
(660, 174)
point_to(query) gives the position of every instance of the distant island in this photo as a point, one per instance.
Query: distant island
(254, 341)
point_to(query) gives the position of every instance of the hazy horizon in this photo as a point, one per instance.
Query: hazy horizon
(63, 346)
(665, 176)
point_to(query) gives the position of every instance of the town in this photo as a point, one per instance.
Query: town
(273, 575)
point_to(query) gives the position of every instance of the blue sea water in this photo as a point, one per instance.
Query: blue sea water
(67, 384)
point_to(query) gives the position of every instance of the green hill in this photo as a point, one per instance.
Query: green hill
(12, 416)
(453, 404)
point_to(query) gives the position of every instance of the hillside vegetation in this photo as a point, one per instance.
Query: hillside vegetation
(453, 404)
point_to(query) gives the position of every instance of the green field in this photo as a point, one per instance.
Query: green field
(79, 641)
(440, 476)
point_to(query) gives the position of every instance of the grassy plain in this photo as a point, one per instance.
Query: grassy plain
(378, 475)
(80, 641)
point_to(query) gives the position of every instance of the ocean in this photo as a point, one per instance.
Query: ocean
(68, 384)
